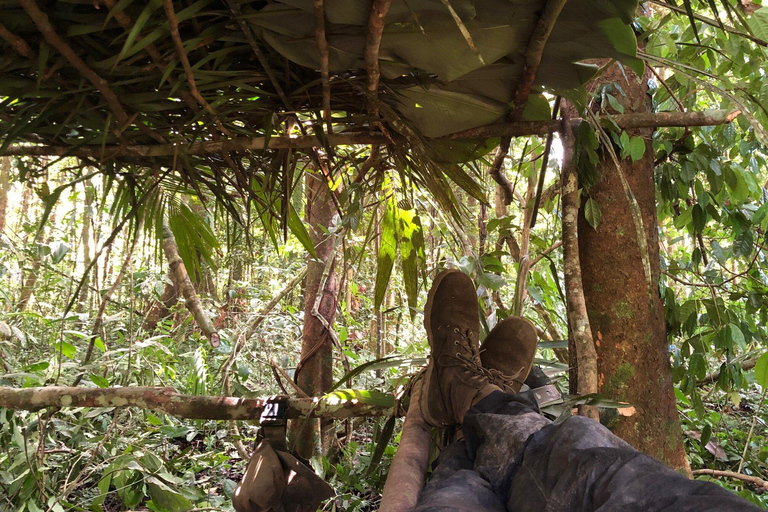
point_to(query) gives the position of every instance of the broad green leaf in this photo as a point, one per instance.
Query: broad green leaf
(758, 22)
(761, 371)
(387, 251)
(636, 148)
(743, 243)
(165, 498)
(298, 230)
(699, 218)
(697, 367)
(379, 364)
(490, 281)
(592, 213)
(381, 443)
(409, 258)
(537, 108)
(66, 349)
(59, 250)
(618, 107)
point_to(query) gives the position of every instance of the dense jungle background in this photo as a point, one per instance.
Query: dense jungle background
(92, 292)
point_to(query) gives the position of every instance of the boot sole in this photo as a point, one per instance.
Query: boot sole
(430, 376)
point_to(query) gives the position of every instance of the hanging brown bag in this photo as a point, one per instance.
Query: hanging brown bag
(275, 480)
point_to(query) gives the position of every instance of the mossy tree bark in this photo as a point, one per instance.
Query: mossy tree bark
(315, 370)
(623, 303)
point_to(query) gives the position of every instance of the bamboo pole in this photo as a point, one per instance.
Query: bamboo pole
(341, 404)
(516, 129)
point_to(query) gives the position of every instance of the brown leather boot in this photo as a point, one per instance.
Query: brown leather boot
(508, 352)
(455, 378)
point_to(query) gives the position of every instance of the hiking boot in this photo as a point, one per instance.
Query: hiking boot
(507, 352)
(455, 378)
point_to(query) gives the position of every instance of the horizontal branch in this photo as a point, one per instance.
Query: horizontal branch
(756, 481)
(516, 129)
(342, 404)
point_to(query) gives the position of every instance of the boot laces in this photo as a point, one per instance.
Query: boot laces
(465, 354)
(502, 380)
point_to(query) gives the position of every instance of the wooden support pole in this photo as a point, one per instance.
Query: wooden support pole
(341, 404)
(409, 467)
(516, 129)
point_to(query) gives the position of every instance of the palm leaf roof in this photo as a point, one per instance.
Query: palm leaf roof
(438, 74)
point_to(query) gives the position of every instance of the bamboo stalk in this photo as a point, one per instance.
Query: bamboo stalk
(169, 401)
(516, 129)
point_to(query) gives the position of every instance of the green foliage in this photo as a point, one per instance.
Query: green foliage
(400, 230)
(761, 370)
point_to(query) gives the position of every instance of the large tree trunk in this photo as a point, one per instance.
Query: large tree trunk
(315, 370)
(624, 304)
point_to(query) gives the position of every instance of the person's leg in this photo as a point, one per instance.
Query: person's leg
(578, 465)
(455, 486)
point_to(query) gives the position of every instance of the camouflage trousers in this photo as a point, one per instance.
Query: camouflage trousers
(512, 459)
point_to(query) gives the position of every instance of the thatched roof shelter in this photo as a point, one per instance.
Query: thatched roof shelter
(203, 87)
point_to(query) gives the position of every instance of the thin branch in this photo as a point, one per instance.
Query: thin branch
(17, 43)
(234, 6)
(757, 482)
(373, 43)
(463, 29)
(546, 252)
(40, 20)
(173, 23)
(125, 22)
(544, 165)
(634, 209)
(517, 129)
(668, 88)
(282, 373)
(495, 171)
(168, 400)
(322, 48)
(711, 22)
(533, 54)
(578, 319)
(99, 320)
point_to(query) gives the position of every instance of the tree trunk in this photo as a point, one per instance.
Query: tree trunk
(82, 300)
(29, 279)
(99, 320)
(5, 178)
(161, 308)
(580, 330)
(187, 289)
(625, 307)
(315, 369)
